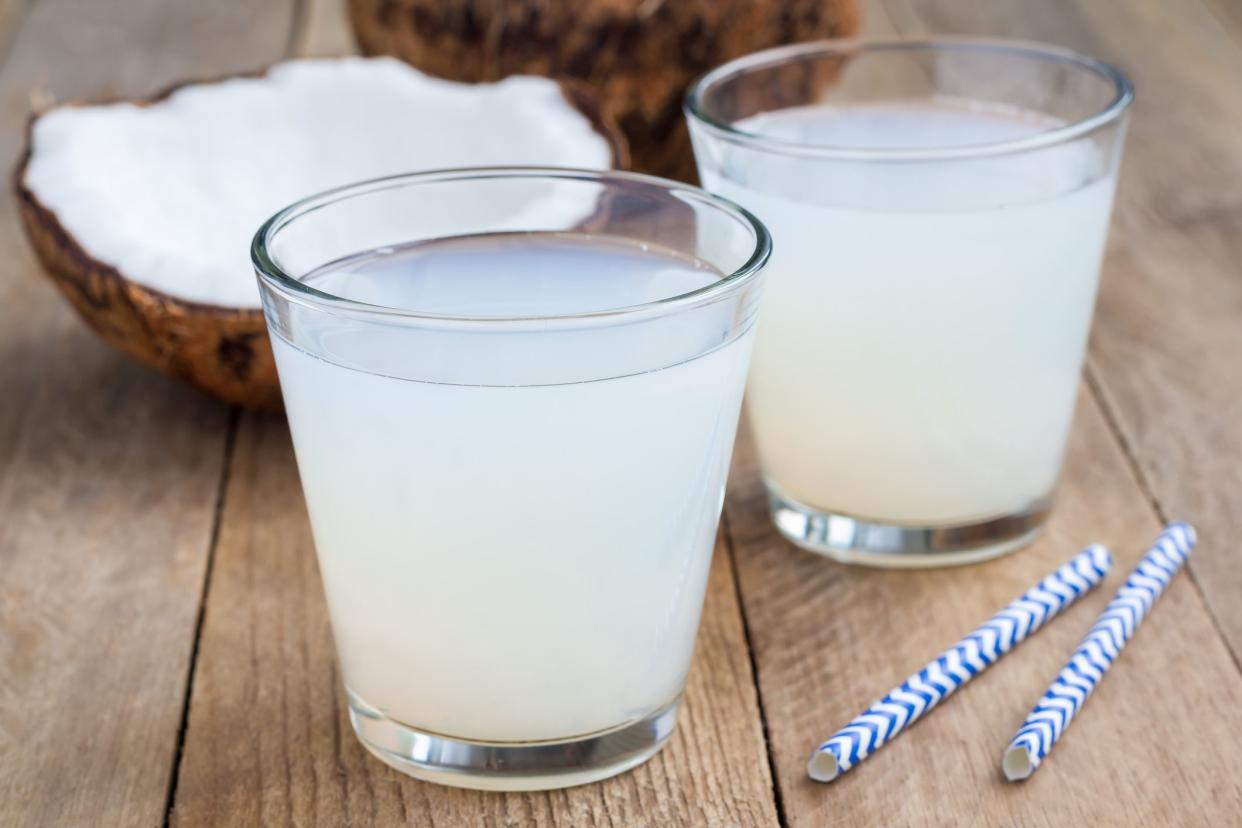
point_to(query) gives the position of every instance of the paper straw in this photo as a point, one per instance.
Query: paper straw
(1073, 685)
(905, 704)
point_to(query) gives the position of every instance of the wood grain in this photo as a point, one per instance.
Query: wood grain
(1155, 745)
(108, 473)
(1167, 333)
(109, 476)
(268, 741)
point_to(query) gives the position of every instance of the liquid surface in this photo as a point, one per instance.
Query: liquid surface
(528, 280)
(923, 324)
(930, 124)
(515, 562)
(515, 274)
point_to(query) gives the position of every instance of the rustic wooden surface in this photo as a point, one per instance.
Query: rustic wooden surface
(164, 650)
(108, 474)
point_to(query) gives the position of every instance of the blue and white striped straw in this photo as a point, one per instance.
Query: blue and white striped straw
(904, 705)
(1048, 720)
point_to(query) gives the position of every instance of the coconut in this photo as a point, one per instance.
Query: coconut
(142, 211)
(639, 55)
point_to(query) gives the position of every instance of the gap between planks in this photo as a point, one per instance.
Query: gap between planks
(778, 799)
(1097, 394)
(217, 515)
(295, 44)
(299, 30)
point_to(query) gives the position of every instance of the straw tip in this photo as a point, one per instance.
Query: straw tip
(1100, 554)
(1017, 763)
(823, 766)
(1186, 529)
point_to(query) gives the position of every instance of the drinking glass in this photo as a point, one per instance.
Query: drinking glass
(939, 211)
(513, 395)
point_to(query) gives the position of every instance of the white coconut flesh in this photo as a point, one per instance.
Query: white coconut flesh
(171, 194)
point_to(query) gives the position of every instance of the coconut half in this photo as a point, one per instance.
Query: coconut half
(143, 211)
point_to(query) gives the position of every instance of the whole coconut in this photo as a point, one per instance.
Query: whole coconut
(639, 55)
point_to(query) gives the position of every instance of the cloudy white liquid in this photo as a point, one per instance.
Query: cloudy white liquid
(923, 326)
(509, 559)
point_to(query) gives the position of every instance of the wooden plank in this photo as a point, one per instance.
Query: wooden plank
(325, 30)
(269, 743)
(108, 473)
(1156, 744)
(1167, 332)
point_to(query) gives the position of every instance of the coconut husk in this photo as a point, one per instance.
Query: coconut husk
(223, 351)
(638, 55)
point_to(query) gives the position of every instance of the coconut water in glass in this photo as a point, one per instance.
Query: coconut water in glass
(513, 396)
(939, 212)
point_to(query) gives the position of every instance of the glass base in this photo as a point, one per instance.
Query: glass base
(511, 766)
(853, 540)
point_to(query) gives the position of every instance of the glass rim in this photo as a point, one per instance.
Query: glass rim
(1123, 95)
(293, 289)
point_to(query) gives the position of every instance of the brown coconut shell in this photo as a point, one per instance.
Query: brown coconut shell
(638, 55)
(223, 351)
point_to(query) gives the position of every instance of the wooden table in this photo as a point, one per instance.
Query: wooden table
(164, 650)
